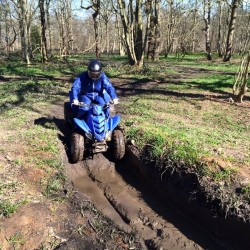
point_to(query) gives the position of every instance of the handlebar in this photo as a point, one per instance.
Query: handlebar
(82, 104)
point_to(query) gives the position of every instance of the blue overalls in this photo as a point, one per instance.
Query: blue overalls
(84, 89)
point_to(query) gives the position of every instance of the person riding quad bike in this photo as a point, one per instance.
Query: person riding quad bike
(90, 86)
(93, 127)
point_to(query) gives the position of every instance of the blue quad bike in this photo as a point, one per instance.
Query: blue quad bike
(97, 132)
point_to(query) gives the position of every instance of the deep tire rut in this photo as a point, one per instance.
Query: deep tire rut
(129, 208)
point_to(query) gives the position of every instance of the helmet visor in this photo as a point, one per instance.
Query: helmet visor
(94, 75)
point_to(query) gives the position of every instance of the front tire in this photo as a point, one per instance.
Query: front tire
(77, 147)
(118, 145)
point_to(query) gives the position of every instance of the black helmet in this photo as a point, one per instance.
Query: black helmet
(94, 69)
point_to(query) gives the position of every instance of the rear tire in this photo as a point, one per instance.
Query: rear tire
(77, 147)
(118, 145)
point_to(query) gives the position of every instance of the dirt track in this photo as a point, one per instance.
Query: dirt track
(131, 204)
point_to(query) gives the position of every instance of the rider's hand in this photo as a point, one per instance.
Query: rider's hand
(115, 101)
(75, 102)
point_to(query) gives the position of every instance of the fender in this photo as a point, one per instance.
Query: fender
(82, 125)
(113, 122)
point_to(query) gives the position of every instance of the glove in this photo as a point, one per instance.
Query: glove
(75, 102)
(115, 101)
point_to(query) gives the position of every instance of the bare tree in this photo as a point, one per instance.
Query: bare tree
(171, 25)
(219, 46)
(21, 7)
(247, 36)
(195, 17)
(231, 30)
(95, 6)
(120, 36)
(60, 16)
(63, 17)
(240, 86)
(131, 26)
(106, 15)
(47, 4)
(9, 30)
(43, 31)
(243, 29)
(207, 20)
(154, 30)
(132, 22)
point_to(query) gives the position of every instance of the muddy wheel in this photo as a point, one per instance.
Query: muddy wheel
(67, 112)
(77, 147)
(118, 145)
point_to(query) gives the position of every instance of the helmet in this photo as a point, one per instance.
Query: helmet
(94, 69)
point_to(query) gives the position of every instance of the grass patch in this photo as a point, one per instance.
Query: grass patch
(29, 134)
(202, 126)
(54, 186)
(16, 240)
(199, 61)
(7, 207)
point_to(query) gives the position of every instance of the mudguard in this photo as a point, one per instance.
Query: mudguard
(82, 125)
(113, 122)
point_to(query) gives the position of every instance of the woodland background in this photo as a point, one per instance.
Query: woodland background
(136, 28)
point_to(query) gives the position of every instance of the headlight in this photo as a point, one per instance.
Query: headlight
(108, 136)
(89, 135)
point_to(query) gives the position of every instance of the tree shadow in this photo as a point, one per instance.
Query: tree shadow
(25, 90)
(145, 86)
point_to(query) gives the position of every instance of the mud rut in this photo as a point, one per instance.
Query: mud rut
(132, 204)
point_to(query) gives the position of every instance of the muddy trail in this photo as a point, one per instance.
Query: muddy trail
(132, 205)
(121, 192)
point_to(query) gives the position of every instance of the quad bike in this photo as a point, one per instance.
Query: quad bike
(97, 132)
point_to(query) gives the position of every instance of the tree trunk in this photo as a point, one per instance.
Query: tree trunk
(154, 30)
(170, 28)
(157, 31)
(138, 32)
(96, 6)
(244, 47)
(23, 26)
(49, 26)
(61, 27)
(128, 33)
(194, 26)
(107, 37)
(240, 86)
(207, 20)
(231, 30)
(43, 32)
(70, 38)
(7, 29)
(219, 49)
(96, 28)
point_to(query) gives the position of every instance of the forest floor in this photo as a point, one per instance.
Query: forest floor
(102, 204)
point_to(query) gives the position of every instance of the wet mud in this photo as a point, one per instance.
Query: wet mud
(133, 205)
